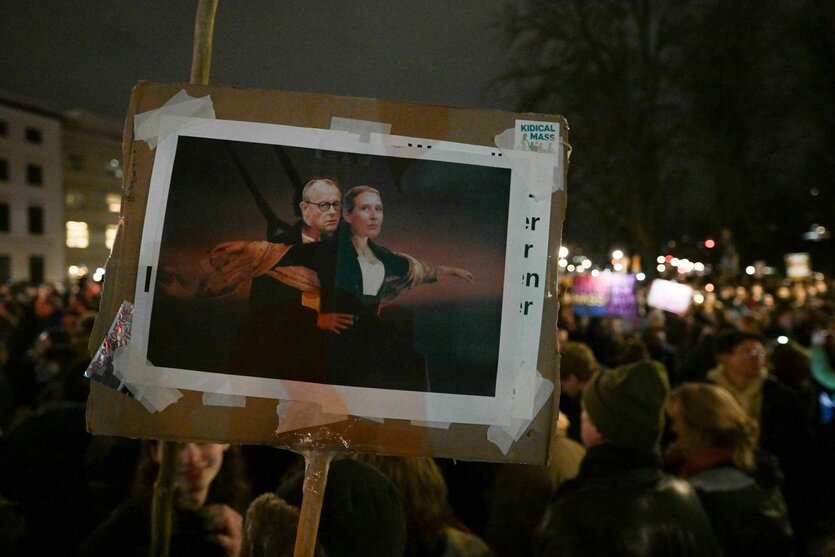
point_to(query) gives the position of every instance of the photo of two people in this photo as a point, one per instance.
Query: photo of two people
(330, 267)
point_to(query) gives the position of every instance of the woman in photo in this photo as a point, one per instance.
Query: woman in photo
(367, 276)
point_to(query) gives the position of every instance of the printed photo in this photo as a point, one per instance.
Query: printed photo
(308, 256)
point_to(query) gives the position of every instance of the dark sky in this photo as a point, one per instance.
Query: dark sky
(88, 54)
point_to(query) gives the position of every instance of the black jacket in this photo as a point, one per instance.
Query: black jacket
(622, 504)
(749, 516)
(127, 533)
(278, 336)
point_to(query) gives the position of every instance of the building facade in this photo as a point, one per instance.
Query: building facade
(92, 149)
(31, 183)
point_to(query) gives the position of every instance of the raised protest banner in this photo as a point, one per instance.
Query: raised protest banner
(446, 352)
(607, 294)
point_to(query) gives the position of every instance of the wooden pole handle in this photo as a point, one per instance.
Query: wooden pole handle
(204, 28)
(316, 467)
(163, 500)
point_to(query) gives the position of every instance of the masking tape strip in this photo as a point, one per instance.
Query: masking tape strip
(363, 128)
(296, 414)
(153, 397)
(372, 419)
(504, 437)
(436, 425)
(219, 399)
(152, 128)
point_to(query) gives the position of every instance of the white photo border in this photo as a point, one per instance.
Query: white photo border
(510, 401)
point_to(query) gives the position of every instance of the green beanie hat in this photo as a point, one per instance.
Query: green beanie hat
(626, 404)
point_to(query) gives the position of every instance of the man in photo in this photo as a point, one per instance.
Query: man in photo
(281, 336)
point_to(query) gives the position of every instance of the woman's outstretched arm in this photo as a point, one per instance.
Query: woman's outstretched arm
(445, 271)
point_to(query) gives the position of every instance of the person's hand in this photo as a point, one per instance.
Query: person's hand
(225, 526)
(460, 273)
(334, 322)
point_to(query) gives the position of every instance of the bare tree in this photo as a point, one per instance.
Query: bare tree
(684, 115)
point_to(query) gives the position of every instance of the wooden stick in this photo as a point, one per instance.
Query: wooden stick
(316, 467)
(163, 501)
(204, 28)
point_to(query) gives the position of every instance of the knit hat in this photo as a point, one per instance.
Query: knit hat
(626, 404)
(362, 512)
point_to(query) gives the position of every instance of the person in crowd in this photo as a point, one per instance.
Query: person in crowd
(42, 471)
(714, 450)
(211, 493)
(784, 428)
(577, 366)
(632, 349)
(603, 336)
(660, 348)
(698, 354)
(622, 503)
(520, 493)
(362, 511)
(791, 365)
(270, 529)
(44, 374)
(743, 373)
(823, 382)
(431, 528)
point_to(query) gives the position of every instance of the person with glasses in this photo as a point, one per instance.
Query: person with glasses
(784, 429)
(282, 335)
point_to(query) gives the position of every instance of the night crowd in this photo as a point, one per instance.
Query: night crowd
(708, 433)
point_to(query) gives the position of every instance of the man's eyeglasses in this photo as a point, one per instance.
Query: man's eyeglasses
(325, 206)
(752, 352)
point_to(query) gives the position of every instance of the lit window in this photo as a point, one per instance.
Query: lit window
(110, 235)
(114, 202)
(78, 235)
(75, 200)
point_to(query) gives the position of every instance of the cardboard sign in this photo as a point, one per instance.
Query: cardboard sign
(798, 266)
(226, 295)
(670, 296)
